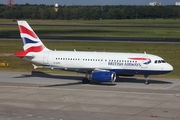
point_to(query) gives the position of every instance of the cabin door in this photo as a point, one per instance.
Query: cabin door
(45, 58)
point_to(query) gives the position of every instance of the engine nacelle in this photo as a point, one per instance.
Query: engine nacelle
(102, 76)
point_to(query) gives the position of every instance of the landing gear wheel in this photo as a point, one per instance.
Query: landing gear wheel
(85, 81)
(146, 81)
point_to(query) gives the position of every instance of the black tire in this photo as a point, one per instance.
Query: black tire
(146, 83)
(85, 81)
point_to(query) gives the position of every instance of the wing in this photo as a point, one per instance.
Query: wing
(79, 70)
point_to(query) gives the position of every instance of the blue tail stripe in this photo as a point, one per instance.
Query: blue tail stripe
(27, 40)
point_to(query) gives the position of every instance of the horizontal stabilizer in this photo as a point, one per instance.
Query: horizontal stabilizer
(20, 54)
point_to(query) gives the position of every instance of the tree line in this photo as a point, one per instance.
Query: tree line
(28, 11)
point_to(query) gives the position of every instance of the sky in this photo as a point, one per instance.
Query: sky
(92, 2)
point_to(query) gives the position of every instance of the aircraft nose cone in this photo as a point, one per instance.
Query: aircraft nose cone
(169, 67)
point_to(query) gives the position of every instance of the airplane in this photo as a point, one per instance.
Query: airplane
(97, 66)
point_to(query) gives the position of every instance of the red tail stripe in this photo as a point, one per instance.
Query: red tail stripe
(22, 54)
(27, 31)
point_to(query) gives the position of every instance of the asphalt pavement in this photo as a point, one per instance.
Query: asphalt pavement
(42, 96)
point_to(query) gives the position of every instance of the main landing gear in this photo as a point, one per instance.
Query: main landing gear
(146, 80)
(85, 81)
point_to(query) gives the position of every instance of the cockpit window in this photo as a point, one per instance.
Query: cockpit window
(163, 61)
(159, 61)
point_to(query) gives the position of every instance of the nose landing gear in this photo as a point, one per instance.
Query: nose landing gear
(146, 80)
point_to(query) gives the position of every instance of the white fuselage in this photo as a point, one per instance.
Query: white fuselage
(121, 63)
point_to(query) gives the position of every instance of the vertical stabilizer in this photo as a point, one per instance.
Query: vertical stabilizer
(29, 37)
(30, 41)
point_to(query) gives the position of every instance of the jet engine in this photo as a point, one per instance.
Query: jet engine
(105, 76)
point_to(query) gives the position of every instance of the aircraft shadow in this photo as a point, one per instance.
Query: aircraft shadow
(57, 85)
(135, 80)
(79, 78)
(45, 75)
(78, 83)
(65, 77)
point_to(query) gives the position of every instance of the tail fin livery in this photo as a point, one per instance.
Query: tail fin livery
(31, 42)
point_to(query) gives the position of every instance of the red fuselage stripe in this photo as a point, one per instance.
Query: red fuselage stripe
(139, 58)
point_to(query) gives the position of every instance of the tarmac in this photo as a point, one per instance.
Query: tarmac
(41, 96)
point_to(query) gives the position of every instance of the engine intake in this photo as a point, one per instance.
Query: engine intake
(102, 76)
